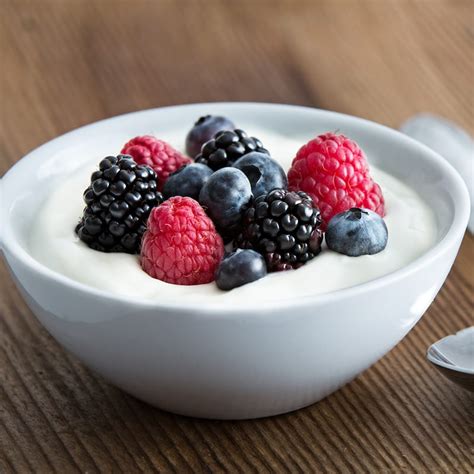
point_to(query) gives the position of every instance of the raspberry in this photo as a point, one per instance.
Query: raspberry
(181, 245)
(333, 170)
(159, 155)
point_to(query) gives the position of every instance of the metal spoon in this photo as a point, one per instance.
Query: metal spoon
(453, 356)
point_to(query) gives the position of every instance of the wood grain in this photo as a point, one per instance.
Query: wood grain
(69, 62)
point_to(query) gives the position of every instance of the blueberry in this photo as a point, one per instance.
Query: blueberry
(224, 197)
(187, 181)
(203, 130)
(239, 268)
(263, 172)
(357, 232)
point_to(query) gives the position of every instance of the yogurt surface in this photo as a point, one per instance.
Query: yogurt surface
(411, 232)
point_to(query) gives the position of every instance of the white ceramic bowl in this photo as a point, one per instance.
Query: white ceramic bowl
(226, 362)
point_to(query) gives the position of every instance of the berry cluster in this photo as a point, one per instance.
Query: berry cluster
(234, 193)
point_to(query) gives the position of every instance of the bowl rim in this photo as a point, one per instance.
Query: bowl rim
(453, 234)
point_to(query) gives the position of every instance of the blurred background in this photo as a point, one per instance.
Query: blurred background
(69, 62)
(65, 63)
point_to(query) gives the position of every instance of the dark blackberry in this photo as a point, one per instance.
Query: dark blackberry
(227, 147)
(118, 203)
(284, 226)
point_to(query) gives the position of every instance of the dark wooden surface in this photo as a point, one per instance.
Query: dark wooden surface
(65, 63)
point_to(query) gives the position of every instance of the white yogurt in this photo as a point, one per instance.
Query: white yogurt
(411, 229)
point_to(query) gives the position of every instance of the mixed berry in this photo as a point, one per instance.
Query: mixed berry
(263, 172)
(284, 226)
(226, 147)
(239, 268)
(225, 196)
(334, 171)
(181, 244)
(204, 130)
(157, 154)
(118, 202)
(187, 181)
(357, 232)
(231, 195)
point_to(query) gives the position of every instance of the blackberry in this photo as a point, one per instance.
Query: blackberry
(284, 226)
(227, 147)
(118, 203)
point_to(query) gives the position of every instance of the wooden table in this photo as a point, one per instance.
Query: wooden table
(69, 62)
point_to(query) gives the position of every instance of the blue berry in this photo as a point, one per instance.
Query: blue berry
(187, 181)
(224, 197)
(357, 232)
(203, 130)
(239, 268)
(263, 172)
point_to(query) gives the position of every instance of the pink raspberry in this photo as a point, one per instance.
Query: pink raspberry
(333, 170)
(181, 244)
(159, 155)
